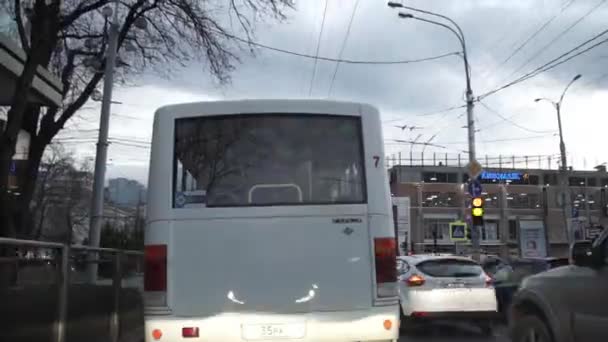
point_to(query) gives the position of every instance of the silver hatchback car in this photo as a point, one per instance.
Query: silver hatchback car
(435, 287)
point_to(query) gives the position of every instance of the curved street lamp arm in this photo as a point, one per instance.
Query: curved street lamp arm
(439, 16)
(443, 25)
(460, 39)
(561, 98)
(460, 35)
(547, 100)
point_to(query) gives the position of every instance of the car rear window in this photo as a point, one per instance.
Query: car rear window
(450, 268)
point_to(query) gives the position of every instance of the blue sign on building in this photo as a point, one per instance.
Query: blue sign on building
(501, 175)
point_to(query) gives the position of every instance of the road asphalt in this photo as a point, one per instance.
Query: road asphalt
(454, 332)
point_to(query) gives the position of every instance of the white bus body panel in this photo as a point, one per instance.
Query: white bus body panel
(228, 267)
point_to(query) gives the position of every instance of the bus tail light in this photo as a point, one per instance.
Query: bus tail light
(386, 266)
(155, 274)
(189, 332)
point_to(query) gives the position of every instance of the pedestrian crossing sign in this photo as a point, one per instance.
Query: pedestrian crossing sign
(458, 231)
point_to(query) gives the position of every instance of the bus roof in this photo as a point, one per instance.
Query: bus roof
(268, 106)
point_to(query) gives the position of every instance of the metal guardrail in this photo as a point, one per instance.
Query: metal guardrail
(59, 326)
(420, 159)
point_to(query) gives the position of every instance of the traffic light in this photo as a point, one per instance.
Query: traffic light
(477, 211)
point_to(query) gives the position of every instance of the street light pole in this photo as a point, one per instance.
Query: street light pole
(565, 196)
(101, 155)
(469, 91)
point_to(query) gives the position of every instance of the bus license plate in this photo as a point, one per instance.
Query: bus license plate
(273, 331)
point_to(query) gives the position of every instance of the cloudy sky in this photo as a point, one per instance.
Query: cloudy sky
(406, 94)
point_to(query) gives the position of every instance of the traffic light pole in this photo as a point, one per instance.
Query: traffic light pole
(477, 212)
(472, 158)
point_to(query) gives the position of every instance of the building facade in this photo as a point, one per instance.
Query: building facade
(515, 200)
(125, 192)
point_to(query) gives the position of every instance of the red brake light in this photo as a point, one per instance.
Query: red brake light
(190, 332)
(415, 280)
(386, 260)
(155, 268)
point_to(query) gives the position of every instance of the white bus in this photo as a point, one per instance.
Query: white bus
(269, 219)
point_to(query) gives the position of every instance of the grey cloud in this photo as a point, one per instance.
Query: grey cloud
(493, 28)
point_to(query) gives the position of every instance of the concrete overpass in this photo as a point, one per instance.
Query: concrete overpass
(47, 88)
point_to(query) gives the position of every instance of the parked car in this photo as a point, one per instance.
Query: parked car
(508, 274)
(445, 287)
(565, 304)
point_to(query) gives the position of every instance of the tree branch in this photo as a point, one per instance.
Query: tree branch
(20, 27)
(80, 36)
(79, 11)
(79, 102)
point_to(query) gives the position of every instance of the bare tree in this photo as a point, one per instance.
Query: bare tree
(70, 38)
(61, 199)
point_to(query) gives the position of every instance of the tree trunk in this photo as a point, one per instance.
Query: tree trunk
(8, 140)
(8, 271)
(44, 24)
(28, 187)
(37, 233)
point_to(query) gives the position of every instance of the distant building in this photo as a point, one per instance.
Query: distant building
(522, 207)
(125, 192)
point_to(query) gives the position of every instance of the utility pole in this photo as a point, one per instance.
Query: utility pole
(565, 194)
(102, 141)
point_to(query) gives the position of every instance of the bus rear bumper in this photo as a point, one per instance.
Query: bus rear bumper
(374, 324)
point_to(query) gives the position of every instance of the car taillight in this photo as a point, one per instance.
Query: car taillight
(155, 268)
(386, 266)
(415, 280)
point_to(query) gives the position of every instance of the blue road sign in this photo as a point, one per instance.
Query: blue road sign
(475, 188)
(457, 231)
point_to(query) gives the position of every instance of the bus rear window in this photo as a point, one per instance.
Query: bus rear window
(267, 160)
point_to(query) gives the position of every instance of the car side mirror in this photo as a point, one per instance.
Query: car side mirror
(583, 254)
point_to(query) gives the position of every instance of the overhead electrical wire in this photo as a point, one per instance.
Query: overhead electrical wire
(561, 34)
(536, 33)
(350, 24)
(551, 64)
(506, 119)
(314, 68)
(499, 140)
(449, 109)
(329, 59)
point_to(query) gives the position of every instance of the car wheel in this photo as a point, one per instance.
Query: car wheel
(530, 329)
